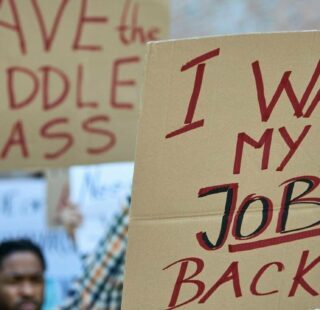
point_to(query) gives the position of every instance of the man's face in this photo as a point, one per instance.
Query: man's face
(21, 282)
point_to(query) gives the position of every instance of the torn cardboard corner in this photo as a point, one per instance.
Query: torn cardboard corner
(226, 188)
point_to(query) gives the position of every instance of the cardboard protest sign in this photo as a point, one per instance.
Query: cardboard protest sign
(70, 74)
(225, 211)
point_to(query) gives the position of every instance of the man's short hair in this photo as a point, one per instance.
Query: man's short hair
(20, 245)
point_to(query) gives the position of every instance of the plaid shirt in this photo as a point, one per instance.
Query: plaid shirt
(100, 286)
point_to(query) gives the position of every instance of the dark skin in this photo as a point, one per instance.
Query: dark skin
(21, 282)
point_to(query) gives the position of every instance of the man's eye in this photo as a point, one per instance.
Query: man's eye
(37, 279)
(13, 281)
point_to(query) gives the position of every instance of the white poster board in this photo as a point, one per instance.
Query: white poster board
(99, 191)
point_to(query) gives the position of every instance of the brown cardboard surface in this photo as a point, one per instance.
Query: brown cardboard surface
(57, 194)
(70, 73)
(266, 254)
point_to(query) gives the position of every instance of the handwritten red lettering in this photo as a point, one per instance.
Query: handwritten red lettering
(301, 272)
(313, 105)
(182, 279)
(256, 279)
(293, 146)
(131, 32)
(83, 19)
(15, 26)
(199, 62)
(231, 274)
(248, 246)
(48, 36)
(285, 84)
(116, 82)
(80, 102)
(47, 132)
(14, 104)
(265, 142)
(16, 138)
(47, 73)
(88, 126)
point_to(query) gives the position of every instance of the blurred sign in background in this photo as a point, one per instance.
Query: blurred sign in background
(23, 215)
(99, 191)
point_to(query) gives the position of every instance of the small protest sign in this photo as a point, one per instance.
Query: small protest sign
(99, 191)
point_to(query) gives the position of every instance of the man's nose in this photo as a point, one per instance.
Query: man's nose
(26, 289)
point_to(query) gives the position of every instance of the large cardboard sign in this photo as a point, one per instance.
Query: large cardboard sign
(70, 75)
(226, 196)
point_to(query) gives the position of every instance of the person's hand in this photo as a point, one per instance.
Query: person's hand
(71, 218)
